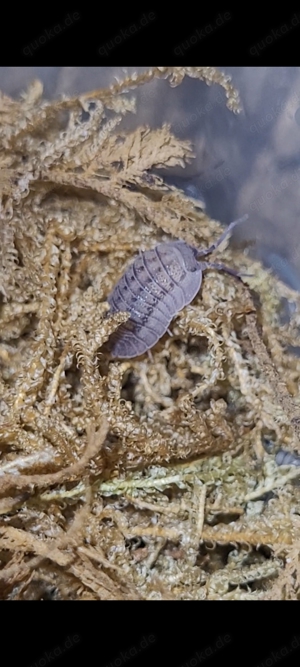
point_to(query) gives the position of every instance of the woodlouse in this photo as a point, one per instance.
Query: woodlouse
(285, 458)
(282, 456)
(154, 288)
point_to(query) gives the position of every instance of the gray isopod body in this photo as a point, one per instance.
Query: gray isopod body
(154, 288)
(285, 458)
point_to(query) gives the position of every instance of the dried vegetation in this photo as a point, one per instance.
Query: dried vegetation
(145, 478)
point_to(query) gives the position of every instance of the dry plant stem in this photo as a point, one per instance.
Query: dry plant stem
(208, 74)
(72, 472)
(278, 386)
(273, 484)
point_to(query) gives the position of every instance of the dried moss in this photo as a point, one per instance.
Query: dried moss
(142, 478)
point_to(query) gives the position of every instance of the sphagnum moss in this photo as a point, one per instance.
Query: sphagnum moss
(178, 437)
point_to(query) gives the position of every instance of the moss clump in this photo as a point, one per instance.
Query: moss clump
(141, 478)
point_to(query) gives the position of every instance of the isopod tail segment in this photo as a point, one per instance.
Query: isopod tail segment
(207, 251)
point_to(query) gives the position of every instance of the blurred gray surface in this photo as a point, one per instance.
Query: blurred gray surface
(248, 163)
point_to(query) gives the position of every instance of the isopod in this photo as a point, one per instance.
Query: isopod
(282, 457)
(154, 288)
(285, 458)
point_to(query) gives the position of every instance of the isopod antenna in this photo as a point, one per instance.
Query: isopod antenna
(207, 251)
